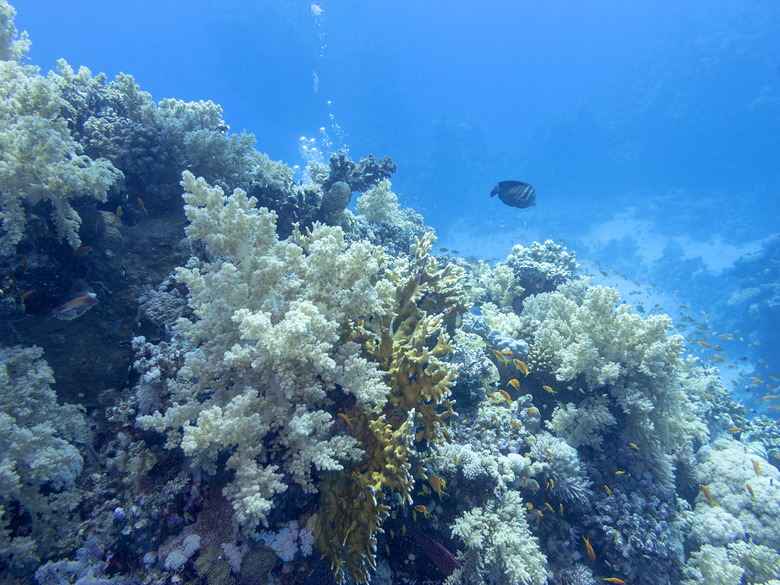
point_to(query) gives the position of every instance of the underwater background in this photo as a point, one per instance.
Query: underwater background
(195, 390)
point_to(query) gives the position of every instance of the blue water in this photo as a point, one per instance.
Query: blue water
(651, 132)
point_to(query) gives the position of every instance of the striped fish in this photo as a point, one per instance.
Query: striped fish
(515, 193)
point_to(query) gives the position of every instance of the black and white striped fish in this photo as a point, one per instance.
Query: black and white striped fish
(515, 193)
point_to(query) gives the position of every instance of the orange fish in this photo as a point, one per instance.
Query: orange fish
(750, 489)
(500, 356)
(591, 552)
(704, 344)
(495, 418)
(755, 380)
(613, 580)
(757, 467)
(423, 510)
(506, 396)
(520, 365)
(609, 491)
(515, 424)
(141, 205)
(24, 298)
(707, 494)
(733, 430)
(345, 418)
(118, 213)
(514, 384)
(550, 390)
(438, 485)
(76, 307)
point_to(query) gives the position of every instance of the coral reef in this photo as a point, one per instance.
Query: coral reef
(499, 545)
(39, 463)
(597, 344)
(287, 303)
(541, 267)
(39, 158)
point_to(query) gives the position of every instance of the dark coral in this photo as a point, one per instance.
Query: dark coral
(361, 176)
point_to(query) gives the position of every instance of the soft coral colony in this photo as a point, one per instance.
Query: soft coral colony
(320, 379)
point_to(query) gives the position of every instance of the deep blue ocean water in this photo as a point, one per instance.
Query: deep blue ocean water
(650, 130)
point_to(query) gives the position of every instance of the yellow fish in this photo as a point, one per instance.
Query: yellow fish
(591, 552)
(514, 384)
(550, 390)
(438, 484)
(707, 494)
(520, 365)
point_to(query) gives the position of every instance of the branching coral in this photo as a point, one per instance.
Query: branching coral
(499, 545)
(40, 160)
(263, 348)
(38, 462)
(589, 337)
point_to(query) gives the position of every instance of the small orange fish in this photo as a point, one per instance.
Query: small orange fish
(634, 446)
(613, 580)
(141, 205)
(345, 418)
(516, 425)
(24, 298)
(704, 344)
(757, 467)
(438, 484)
(423, 510)
(500, 356)
(707, 494)
(550, 484)
(609, 491)
(550, 390)
(514, 384)
(506, 396)
(619, 472)
(495, 419)
(532, 410)
(507, 353)
(591, 552)
(560, 509)
(733, 430)
(549, 453)
(118, 213)
(520, 365)
(76, 307)
(529, 506)
(538, 517)
(549, 507)
(755, 380)
(750, 489)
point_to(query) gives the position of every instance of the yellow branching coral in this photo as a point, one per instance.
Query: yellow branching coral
(426, 297)
(409, 346)
(352, 506)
